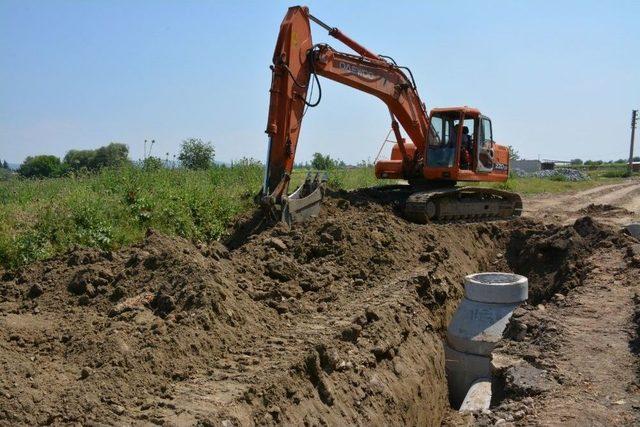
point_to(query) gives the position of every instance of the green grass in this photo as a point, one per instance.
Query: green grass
(115, 207)
(531, 186)
(347, 179)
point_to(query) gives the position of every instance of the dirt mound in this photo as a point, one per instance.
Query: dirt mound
(336, 321)
(604, 210)
(107, 332)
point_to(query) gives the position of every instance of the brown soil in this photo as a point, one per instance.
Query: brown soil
(605, 210)
(582, 343)
(565, 208)
(337, 321)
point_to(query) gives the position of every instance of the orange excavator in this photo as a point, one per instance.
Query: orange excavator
(445, 146)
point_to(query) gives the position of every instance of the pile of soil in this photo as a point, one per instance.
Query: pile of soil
(604, 210)
(336, 321)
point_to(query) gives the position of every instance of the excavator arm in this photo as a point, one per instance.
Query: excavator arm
(387, 82)
(296, 60)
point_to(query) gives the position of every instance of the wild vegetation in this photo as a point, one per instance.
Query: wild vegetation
(530, 186)
(101, 199)
(116, 205)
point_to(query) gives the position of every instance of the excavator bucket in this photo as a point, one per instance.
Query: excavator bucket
(305, 202)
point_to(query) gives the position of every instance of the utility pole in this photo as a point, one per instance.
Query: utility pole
(634, 118)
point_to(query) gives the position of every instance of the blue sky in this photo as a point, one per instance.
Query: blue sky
(558, 78)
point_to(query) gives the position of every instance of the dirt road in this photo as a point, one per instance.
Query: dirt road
(615, 204)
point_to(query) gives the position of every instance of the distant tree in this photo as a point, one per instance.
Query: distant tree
(621, 161)
(325, 162)
(576, 162)
(196, 154)
(513, 153)
(5, 165)
(43, 166)
(79, 159)
(112, 155)
(593, 163)
(636, 159)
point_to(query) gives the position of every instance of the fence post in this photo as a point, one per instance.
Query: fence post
(634, 118)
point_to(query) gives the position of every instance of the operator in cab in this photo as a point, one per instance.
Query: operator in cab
(465, 146)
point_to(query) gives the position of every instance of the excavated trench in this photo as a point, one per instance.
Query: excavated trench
(337, 321)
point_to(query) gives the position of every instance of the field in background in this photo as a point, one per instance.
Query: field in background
(114, 207)
(529, 186)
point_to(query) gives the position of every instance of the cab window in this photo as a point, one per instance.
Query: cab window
(485, 148)
(486, 130)
(442, 142)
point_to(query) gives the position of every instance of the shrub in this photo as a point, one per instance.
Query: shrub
(617, 173)
(507, 185)
(196, 154)
(43, 166)
(152, 163)
(558, 177)
(5, 174)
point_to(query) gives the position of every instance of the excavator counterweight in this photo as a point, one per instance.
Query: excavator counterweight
(441, 148)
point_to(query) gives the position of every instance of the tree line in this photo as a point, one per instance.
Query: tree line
(579, 162)
(194, 154)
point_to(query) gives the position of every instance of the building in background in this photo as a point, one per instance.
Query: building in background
(528, 166)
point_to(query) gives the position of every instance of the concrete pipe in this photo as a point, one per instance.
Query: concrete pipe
(477, 327)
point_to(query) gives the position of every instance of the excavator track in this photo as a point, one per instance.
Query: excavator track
(461, 203)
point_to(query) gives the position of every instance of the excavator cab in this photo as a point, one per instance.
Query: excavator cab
(460, 145)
